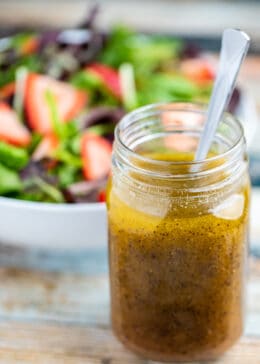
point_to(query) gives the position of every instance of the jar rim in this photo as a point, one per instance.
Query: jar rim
(158, 109)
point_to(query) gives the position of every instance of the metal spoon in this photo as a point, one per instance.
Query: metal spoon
(234, 47)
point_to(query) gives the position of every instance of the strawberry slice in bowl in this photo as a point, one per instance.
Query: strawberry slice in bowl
(108, 76)
(11, 129)
(69, 101)
(96, 154)
(45, 148)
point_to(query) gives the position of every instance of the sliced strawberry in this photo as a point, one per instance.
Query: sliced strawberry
(69, 100)
(45, 148)
(96, 154)
(198, 70)
(11, 130)
(102, 196)
(7, 90)
(108, 76)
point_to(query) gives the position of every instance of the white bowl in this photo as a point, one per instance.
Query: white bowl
(54, 226)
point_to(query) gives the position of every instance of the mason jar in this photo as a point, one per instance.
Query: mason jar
(178, 232)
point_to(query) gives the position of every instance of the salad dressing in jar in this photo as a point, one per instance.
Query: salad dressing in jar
(177, 234)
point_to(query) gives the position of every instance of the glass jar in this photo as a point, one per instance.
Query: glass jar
(177, 234)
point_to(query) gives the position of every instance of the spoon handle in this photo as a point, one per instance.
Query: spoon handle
(234, 47)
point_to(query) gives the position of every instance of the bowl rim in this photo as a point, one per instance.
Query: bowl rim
(52, 207)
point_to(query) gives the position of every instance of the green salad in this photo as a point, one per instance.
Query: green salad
(62, 94)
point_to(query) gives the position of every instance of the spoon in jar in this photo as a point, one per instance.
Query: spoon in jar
(234, 47)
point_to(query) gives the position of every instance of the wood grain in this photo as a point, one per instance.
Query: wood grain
(53, 343)
(64, 318)
(62, 297)
(71, 298)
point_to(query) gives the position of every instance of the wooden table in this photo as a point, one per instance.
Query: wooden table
(62, 316)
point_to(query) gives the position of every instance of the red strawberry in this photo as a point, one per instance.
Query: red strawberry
(11, 130)
(108, 76)
(102, 196)
(45, 148)
(96, 154)
(69, 100)
(198, 70)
